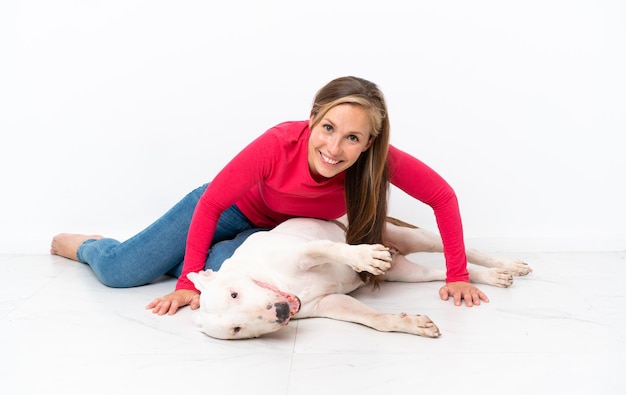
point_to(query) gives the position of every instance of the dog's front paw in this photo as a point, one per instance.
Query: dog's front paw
(372, 258)
(420, 325)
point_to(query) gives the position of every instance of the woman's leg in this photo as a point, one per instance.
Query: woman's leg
(147, 255)
(220, 252)
(225, 249)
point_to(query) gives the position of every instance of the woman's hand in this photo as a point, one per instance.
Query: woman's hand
(170, 303)
(462, 290)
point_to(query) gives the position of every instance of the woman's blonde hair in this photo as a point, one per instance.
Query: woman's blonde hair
(367, 181)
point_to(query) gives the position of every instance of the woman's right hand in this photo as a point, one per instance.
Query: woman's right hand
(170, 303)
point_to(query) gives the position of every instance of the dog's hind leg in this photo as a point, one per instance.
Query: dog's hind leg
(513, 266)
(409, 240)
(405, 270)
(491, 276)
(346, 308)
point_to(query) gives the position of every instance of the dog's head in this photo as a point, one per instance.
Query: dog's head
(235, 306)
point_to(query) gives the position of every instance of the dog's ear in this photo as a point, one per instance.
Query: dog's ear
(206, 273)
(200, 279)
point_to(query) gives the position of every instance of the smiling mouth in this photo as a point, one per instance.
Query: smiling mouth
(293, 300)
(328, 160)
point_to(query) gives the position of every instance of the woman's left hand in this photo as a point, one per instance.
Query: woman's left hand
(463, 291)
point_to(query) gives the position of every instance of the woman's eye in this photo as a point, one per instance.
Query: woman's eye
(353, 138)
(234, 295)
(328, 128)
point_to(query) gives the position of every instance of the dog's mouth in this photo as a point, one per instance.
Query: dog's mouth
(293, 300)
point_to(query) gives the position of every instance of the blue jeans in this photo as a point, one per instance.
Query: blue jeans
(160, 248)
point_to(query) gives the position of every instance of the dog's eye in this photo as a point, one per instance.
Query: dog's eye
(234, 295)
(236, 329)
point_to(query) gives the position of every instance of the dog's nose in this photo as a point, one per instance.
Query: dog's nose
(283, 312)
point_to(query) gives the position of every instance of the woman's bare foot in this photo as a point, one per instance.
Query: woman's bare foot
(66, 244)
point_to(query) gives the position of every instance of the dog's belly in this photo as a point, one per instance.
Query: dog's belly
(275, 257)
(325, 279)
(284, 239)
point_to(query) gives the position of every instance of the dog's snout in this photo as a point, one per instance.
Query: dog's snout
(282, 312)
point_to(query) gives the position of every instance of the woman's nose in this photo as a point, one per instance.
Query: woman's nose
(334, 146)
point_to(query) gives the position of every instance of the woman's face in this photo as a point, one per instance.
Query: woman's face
(338, 139)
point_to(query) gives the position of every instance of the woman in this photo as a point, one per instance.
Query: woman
(337, 162)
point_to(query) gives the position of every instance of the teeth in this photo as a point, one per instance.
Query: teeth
(328, 160)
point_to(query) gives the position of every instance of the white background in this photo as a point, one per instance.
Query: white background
(111, 111)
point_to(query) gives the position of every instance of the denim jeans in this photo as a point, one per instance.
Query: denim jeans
(160, 248)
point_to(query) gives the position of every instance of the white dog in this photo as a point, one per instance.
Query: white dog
(303, 268)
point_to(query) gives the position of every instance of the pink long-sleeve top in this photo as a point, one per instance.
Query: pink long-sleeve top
(270, 182)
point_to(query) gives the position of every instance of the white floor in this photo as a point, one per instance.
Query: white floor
(560, 330)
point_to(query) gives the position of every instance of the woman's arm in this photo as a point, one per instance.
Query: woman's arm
(421, 182)
(244, 171)
(424, 184)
